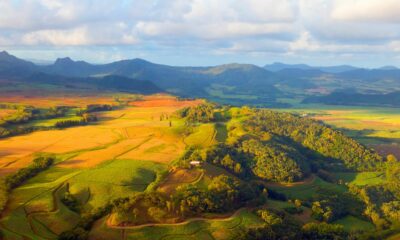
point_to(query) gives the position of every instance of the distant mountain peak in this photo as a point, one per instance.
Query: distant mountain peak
(65, 60)
(4, 53)
(139, 60)
(8, 58)
(135, 61)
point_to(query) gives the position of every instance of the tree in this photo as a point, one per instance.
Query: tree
(297, 203)
(393, 172)
(200, 113)
(269, 217)
(392, 210)
(156, 213)
(135, 213)
(238, 168)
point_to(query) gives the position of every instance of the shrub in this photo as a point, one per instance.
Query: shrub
(323, 231)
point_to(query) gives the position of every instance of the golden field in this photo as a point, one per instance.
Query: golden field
(134, 132)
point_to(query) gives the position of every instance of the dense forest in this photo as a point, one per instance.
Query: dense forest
(382, 201)
(332, 146)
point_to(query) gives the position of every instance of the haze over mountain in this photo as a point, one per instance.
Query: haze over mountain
(277, 66)
(238, 83)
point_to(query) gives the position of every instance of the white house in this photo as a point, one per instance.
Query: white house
(195, 163)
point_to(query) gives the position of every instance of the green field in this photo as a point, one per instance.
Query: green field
(308, 190)
(362, 178)
(351, 223)
(279, 204)
(70, 115)
(222, 132)
(113, 179)
(93, 187)
(202, 136)
(225, 228)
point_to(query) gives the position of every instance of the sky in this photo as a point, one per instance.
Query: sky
(205, 32)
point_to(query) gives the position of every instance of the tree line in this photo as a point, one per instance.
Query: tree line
(16, 179)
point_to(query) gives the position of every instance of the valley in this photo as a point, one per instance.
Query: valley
(105, 173)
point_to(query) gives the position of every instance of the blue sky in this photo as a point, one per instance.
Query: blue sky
(205, 32)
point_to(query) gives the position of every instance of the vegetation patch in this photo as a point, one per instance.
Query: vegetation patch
(351, 223)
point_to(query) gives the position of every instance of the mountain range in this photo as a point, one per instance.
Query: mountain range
(233, 83)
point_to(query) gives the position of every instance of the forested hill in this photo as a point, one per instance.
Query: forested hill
(282, 147)
(329, 144)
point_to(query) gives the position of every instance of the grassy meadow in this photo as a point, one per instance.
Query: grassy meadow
(222, 228)
(121, 154)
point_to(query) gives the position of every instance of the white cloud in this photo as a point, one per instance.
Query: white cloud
(72, 37)
(221, 30)
(110, 34)
(267, 10)
(321, 19)
(342, 27)
(386, 11)
(306, 43)
(47, 21)
(395, 45)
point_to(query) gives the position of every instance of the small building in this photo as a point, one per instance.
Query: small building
(195, 163)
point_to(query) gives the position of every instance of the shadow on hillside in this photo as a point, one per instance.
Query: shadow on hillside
(364, 136)
(141, 180)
